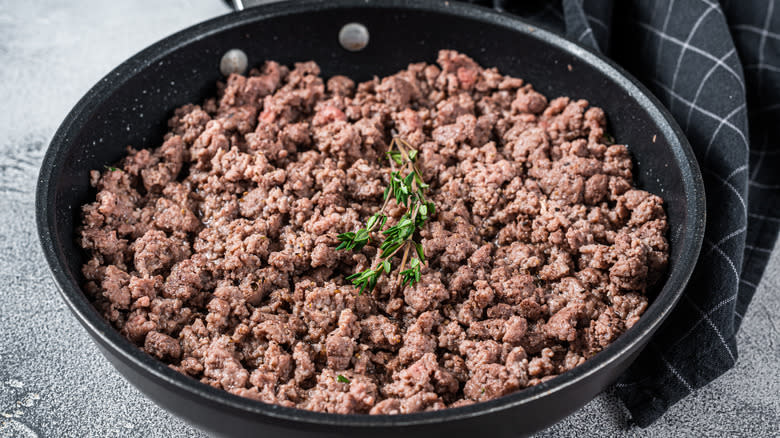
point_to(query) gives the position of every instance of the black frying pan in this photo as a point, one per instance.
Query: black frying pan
(132, 103)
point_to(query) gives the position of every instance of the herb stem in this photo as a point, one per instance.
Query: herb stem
(403, 262)
(407, 189)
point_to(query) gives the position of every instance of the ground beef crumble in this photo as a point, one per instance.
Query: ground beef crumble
(215, 252)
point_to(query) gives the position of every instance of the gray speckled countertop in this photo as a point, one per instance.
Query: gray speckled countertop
(55, 383)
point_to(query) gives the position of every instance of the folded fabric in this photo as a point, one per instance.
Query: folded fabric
(716, 67)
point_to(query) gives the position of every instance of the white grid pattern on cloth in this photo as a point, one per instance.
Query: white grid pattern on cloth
(762, 67)
(758, 30)
(719, 63)
(758, 68)
(736, 169)
(728, 185)
(687, 43)
(764, 186)
(702, 49)
(704, 80)
(693, 49)
(756, 248)
(709, 3)
(725, 238)
(671, 368)
(731, 263)
(592, 19)
(755, 170)
(764, 217)
(663, 32)
(761, 155)
(706, 317)
(714, 309)
(723, 120)
(762, 44)
(734, 121)
(742, 280)
(674, 371)
(588, 29)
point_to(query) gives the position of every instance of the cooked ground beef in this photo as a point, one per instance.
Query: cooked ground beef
(216, 251)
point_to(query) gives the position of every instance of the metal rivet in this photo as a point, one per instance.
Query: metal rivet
(353, 37)
(233, 61)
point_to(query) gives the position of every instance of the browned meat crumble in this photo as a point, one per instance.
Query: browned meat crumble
(216, 251)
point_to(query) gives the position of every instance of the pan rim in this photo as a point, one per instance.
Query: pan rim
(109, 338)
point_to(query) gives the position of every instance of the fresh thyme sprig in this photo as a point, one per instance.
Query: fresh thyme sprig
(406, 188)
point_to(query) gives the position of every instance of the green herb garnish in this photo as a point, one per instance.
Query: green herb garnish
(406, 188)
(342, 379)
(111, 168)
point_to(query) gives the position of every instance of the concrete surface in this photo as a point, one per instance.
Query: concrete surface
(55, 383)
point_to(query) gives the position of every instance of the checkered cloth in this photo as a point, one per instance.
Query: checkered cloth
(716, 66)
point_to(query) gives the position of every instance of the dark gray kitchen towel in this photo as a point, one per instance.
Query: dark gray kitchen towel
(716, 67)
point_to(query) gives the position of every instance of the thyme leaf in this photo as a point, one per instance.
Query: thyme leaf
(407, 189)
